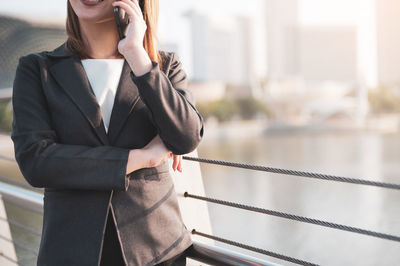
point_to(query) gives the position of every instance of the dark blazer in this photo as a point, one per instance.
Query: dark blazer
(61, 144)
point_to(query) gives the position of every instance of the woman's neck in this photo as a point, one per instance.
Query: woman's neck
(101, 38)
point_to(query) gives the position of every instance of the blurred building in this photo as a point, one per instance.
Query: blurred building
(326, 53)
(221, 48)
(282, 20)
(314, 53)
(309, 63)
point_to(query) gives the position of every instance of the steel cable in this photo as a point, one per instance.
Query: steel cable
(297, 218)
(296, 173)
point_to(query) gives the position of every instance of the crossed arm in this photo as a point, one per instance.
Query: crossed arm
(44, 162)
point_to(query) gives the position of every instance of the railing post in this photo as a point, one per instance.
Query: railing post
(6, 247)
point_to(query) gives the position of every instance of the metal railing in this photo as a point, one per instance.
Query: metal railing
(5, 93)
(33, 202)
(211, 254)
(28, 198)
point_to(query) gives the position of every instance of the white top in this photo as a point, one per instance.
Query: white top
(104, 76)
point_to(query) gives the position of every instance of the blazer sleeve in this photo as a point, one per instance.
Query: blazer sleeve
(171, 106)
(42, 160)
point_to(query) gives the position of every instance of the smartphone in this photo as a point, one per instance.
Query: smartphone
(122, 20)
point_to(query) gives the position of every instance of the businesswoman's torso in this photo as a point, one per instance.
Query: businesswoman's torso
(67, 141)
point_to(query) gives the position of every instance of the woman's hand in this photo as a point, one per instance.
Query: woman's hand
(151, 155)
(155, 153)
(131, 47)
(177, 164)
(136, 27)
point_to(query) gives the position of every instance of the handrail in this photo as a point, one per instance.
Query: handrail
(214, 255)
(18, 183)
(33, 201)
(22, 197)
(5, 93)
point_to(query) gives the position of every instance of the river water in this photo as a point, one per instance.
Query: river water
(353, 154)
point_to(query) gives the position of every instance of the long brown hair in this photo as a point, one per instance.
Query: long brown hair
(150, 14)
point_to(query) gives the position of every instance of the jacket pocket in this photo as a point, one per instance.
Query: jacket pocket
(156, 173)
(156, 177)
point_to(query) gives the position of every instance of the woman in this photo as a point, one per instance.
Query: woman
(95, 121)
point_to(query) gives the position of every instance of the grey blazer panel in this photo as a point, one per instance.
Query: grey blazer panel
(60, 144)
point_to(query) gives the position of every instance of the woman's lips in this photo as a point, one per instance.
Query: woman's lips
(91, 3)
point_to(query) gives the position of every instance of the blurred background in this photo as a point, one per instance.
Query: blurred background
(310, 85)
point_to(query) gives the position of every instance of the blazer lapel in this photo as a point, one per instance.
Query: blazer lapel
(70, 74)
(126, 97)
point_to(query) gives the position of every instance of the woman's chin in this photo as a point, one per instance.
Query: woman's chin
(93, 13)
(89, 17)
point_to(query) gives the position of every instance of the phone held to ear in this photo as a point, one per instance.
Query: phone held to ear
(122, 20)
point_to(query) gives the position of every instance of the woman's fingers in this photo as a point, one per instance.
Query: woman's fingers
(175, 162)
(137, 6)
(180, 163)
(130, 11)
(134, 7)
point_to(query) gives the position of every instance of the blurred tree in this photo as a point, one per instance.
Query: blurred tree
(227, 109)
(6, 116)
(385, 99)
(250, 107)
